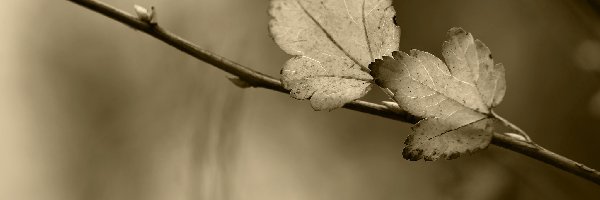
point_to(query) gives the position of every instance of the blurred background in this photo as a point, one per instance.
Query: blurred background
(92, 109)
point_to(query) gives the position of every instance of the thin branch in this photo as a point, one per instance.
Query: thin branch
(258, 79)
(539, 153)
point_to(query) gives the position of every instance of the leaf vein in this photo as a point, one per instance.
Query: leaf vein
(364, 21)
(454, 129)
(328, 35)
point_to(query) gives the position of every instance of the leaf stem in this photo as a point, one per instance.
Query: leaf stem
(511, 125)
(257, 79)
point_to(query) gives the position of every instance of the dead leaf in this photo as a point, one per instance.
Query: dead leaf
(455, 98)
(333, 42)
(437, 138)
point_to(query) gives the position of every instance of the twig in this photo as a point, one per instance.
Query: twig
(539, 153)
(257, 79)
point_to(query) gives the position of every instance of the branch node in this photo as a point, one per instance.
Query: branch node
(517, 136)
(239, 82)
(148, 16)
(393, 106)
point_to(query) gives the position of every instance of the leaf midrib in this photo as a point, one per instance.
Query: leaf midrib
(330, 37)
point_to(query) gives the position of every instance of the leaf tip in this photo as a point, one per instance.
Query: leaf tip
(412, 154)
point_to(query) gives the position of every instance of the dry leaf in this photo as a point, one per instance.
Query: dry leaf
(437, 138)
(455, 98)
(333, 42)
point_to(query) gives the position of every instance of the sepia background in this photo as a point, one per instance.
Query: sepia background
(92, 109)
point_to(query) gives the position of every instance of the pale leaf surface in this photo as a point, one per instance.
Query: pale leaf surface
(436, 138)
(454, 97)
(333, 42)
